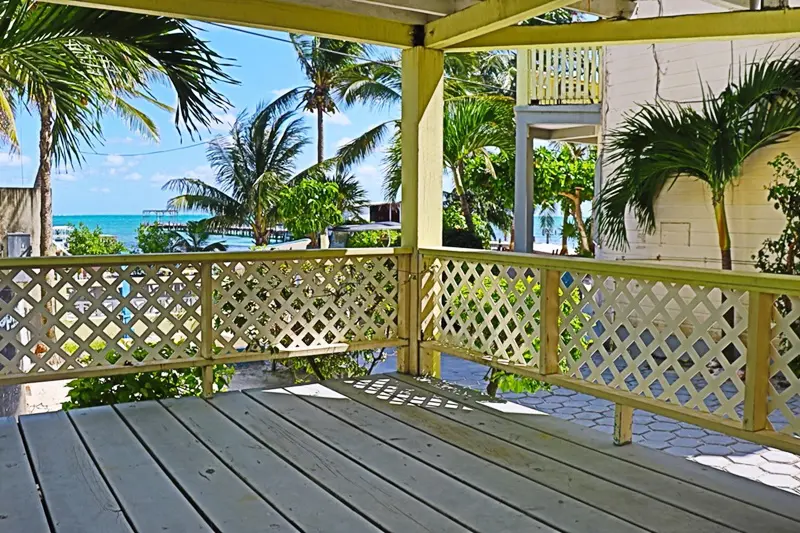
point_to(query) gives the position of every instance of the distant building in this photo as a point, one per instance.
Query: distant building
(19, 214)
(384, 212)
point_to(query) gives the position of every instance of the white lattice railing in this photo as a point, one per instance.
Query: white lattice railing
(79, 316)
(721, 350)
(560, 75)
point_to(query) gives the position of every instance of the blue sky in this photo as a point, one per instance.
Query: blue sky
(116, 184)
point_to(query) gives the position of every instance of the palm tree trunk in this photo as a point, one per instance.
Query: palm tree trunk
(320, 135)
(564, 243)
(466, 209)
(584, 236)
(43, 176)
(723, 232)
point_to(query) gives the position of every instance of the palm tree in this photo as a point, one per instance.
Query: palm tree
(72, 64)
(663, 142)
(474, 126)
(326, 64)
(196, 239)
(252, 165)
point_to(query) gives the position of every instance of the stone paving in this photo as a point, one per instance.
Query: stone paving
(767, 465)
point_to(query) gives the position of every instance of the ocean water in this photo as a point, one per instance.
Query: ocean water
(124, 228)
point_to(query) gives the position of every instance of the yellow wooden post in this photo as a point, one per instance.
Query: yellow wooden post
(549, 311)
(623, 424)
(206, 327)
(759, 340)
(422, 164)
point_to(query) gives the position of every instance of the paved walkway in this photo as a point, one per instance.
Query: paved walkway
(743, 458)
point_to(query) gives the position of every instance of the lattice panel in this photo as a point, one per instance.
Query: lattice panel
(296, 304)
(60, 319)
(676, 343)
(784, 392)
(488, 308)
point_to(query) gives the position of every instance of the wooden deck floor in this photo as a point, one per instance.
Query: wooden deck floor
(380, 454)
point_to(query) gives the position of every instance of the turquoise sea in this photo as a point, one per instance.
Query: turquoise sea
(124, 227)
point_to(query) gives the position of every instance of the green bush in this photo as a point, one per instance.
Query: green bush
(85, 241)
(109, 390)
(374, 239)
(154, 239)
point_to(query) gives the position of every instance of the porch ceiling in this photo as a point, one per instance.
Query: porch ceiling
(453, 25)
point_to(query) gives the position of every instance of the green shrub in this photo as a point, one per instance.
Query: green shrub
(154, 239)
(374, 239)
(85, 241)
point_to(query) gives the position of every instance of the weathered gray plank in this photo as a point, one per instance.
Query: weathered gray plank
(150, 499)
(20, 506)
(224, 499)
(453, 498)
(76, 496)
(624, 503)
(711, 504)
(380, 501)
(559, 510)
(303, 501)
(756, 494)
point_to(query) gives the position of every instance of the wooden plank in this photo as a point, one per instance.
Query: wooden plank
(757, 494)
(150, 499)
(75, 494)
(269, 475)
(20, 506)
(759, 348)
(559, 510)
(654, 502)
(224, 499)
(550, 313)
(623, 424)
(378, 500)
(714, 504)
(451, 497)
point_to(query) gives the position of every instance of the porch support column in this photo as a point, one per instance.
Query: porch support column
(422, 130)
(523, 189)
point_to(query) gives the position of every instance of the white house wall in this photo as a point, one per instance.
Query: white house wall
(686, 231)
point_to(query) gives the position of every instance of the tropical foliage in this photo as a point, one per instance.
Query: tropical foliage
(252, 165)
(782, 255)
(309, 208)
(153, 238)
(73, 64)
(195, 239)
(662, 142)
(84, 241)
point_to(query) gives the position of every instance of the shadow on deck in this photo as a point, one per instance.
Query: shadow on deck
(385, 453)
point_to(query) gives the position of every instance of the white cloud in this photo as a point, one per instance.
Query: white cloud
(64, 176)
(114, 160)
(203, 172)
(337, 119)
(226, 120)
(135, 176)
(12, 160)
(367, 171)
(120, 140)
(103, 190)
(343, 141)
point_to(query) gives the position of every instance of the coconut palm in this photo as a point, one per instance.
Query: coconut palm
(662, 142)
(473, 127)
(73, 64)
(326, 64)
(252, 164)
(195, 239)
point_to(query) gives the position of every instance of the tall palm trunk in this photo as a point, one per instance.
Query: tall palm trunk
(44, 174)
(320, 134)
(564, 239)
(579, 224)
(723, 231)
(466, 209)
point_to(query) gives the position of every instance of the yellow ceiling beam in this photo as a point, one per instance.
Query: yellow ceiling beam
(484, 17)
(713, 26)
(267, 14)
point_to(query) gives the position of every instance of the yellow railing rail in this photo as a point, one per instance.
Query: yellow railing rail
(560, 75)
(717, 349)
(66, 317)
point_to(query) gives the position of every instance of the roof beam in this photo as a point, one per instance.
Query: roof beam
(269, 14)
(713, 26)
(484, 17)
